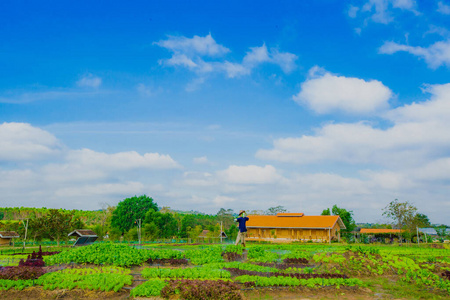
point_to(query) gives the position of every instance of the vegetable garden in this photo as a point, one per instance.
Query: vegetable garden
(230, 272)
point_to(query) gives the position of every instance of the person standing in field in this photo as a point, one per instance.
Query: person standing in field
(241, 219)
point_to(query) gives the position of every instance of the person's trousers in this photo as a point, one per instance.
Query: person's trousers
(241, 237)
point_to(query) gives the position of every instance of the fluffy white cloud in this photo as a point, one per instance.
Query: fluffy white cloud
(260, 55)
(121, 161)
(435, 110)
(23, 142)
(435, 55)
(193, 46)
(250, 174)
(89, 80)
(382, 11)
(81, 177)
(419, 134)
(93, 190)
(324, 92)
(203, 55)
(443, 8)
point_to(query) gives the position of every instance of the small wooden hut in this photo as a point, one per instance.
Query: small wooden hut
(6, 237)
(85, 237)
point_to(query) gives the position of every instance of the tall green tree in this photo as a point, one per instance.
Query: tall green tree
(131, 209)
(57, 224)
(165, 223)
(402, 213)
(421, 220)
(226, 217)
(347, 218)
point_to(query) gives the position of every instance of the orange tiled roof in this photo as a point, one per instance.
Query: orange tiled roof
(300, 221)
(290, 214)
(371, 230)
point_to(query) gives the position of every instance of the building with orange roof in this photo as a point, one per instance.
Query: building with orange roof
(289, 227)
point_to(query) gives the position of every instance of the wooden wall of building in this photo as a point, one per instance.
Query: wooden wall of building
(293, 234)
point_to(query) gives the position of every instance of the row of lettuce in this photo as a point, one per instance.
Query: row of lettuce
(317, 265)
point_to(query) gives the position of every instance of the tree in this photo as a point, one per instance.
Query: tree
(326, 212)
(131, 209)
(193, 233)
(421, 220)
(57, 224)
(402, 213)
(346, 217)
(226, 217)
(164, 222)
(275, 210)
(441, 232)
(187, 223)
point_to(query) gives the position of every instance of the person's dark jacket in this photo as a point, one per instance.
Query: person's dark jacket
(241, 221)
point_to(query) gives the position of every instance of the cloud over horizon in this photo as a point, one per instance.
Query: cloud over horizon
(324, 92)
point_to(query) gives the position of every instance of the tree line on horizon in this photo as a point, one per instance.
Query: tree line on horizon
(121, 222)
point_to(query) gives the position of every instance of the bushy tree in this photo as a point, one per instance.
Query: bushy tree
(57, 224)
(326, 212)
(402, 213)
(164, 222)
(275, 210)
(187, 223)
(346, 217)
(131, 209)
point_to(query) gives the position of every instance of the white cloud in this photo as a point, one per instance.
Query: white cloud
(260, 55)
(201, 160)
(23, 142)
(198, 179)
(90, 81)
(234, 70)
(249, 174)
(203, 55)
(121, 161)
(93, 190)
(194, 46)
(435, 55)
(436, 109)
(144, 90)
(224, 201)
(404, 4)
(256, 56)
(352, 11)
(325, 93)
(381, 12)
(443, 8)
(419, 133)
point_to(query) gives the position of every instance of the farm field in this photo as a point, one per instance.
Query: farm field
(261, 271)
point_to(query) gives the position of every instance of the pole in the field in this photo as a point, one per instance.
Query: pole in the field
(138, 221)
(26, 231)
(417, 235)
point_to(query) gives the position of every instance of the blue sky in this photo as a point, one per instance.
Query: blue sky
(204, 105)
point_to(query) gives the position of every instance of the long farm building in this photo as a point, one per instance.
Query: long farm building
(289, 227)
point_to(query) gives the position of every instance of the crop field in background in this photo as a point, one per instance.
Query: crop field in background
(261, 271)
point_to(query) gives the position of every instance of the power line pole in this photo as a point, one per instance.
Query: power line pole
(139, 229)
(26, 231)
(221, 231)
